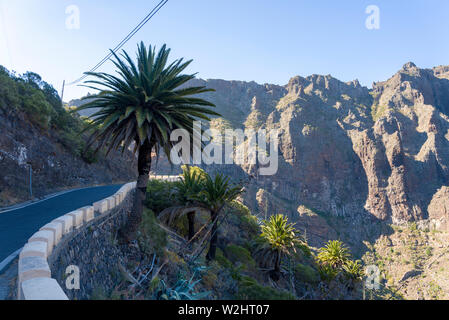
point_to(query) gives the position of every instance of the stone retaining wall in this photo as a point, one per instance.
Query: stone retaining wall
(76, 239)
(80, 242)
(93, 252)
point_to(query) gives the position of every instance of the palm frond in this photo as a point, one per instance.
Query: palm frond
(146, 100)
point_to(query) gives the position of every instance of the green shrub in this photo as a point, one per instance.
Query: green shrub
(327, 273)
(9, 96)
(152, 238)
(306, 273)
(153, 286)
(378, 112)
(222, 260)
(250, 289)
(99, 294)
(72, 142)
(89, 156)
(238, 254)
(39, 111)
(240, 208)
(160, 195)
(304, 248)
(41, 105)
(250, 225)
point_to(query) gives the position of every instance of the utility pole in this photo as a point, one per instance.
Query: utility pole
(31, 179)
(62, 93)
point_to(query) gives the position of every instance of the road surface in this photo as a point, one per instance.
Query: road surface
(17, 226)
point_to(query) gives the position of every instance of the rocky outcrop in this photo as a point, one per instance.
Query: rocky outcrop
(346, 150)
(439, 209)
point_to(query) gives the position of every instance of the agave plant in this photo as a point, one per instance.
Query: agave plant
(334, 254)
(182, 290)
(280, 240)
(142, 105)
(215, 195)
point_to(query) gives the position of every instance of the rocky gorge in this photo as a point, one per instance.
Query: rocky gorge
(365, 156)
(365, 166)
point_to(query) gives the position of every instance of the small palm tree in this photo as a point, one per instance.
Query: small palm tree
(334, 254)
(215, 195)
(280, 240)
(354, 270)
(188, 189)
(143, 104)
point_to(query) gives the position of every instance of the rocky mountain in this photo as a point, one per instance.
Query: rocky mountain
(346, 151)
(366, 166)
(79, 103)
(365, 155)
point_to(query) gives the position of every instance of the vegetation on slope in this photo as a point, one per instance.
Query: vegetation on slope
(41, 106)
(180, 268)
(413, 262)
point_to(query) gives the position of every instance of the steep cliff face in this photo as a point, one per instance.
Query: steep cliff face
(412, 108)
(345, 150)
(54, 166)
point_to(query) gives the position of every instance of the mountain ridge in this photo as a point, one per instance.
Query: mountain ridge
(355, 150)
(348, 150)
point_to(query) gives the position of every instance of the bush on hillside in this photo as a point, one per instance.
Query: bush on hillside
(41, 105)
(152, 238)
(160, 195)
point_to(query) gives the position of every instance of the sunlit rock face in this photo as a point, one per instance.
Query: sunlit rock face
(346, 150)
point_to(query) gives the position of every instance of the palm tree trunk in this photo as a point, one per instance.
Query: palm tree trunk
(276, 274)
(214, 239)
(144, 167)
(191, 218)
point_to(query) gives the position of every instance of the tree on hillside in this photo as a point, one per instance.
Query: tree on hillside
(335, 260)
(334, 254)
(143, 104)
(188, 188)
(215, 195)
(279, 240)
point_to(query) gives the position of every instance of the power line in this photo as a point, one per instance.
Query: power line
(125, 40)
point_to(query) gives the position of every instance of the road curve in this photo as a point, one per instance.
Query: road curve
(17, 226)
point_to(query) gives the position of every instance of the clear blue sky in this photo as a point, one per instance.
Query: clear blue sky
(268, 41)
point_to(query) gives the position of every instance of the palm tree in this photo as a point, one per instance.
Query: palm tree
(334, 254)
(215, 195)
(280, 240)
(188, 189)
(354, 270)
(143, 104)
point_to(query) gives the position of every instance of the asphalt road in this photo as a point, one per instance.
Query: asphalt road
(17, 226)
